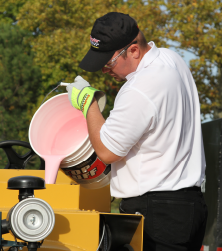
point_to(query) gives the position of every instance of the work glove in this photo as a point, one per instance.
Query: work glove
(81, 95)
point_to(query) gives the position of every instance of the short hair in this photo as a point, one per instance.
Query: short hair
(141, 41)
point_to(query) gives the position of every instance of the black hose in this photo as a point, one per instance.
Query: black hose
(5, 227)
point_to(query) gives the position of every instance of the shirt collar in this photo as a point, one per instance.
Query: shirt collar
(147, 59)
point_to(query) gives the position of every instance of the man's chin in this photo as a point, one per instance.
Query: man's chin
(118, 79)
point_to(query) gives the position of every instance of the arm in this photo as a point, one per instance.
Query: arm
(95, 121)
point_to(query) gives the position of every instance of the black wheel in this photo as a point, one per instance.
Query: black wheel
(16, 161)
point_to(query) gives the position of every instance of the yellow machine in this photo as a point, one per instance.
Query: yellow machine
(82, 217)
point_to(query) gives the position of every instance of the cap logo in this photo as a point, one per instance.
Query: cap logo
(94, 42)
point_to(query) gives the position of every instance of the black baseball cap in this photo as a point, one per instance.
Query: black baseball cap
(110, 33)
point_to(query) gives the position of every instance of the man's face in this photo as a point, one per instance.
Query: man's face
(118, 66)
(120, 70)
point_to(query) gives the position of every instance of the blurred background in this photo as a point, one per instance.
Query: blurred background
(42, 43)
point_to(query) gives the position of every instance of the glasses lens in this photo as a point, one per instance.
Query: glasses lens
(113, 63)
(110, 65)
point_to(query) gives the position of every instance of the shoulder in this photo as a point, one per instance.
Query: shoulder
(155, 77)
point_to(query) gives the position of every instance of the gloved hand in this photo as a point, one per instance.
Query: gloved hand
(81, 95)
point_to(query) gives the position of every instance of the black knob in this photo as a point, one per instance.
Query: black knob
(26, 185)
(19, 182)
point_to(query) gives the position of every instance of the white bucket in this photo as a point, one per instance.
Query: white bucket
(58, 133)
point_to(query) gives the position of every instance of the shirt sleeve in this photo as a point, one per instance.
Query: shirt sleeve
(133, 115)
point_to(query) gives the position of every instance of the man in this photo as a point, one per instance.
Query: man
(153, 134)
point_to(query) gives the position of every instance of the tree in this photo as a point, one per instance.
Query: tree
(9, 10)
(19, 84)
(61, 31)
(62, 38)
(20, 81)
(197, 27)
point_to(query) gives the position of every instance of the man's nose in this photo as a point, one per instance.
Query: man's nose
(105, 70)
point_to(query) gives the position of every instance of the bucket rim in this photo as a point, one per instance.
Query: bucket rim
(31, 124)
(79, 153)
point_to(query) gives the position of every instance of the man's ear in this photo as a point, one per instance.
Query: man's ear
(135, 51)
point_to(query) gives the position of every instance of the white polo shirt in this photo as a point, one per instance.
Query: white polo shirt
(155, 125)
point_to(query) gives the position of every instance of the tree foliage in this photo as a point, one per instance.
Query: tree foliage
(58, 38)
(197, 27)
(9, 10)
(62, 29)
(19, 82)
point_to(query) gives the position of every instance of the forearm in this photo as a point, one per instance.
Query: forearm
(95, 121)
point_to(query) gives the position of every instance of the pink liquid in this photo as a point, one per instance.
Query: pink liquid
(63, 141)
(52, 163)
(69, 136)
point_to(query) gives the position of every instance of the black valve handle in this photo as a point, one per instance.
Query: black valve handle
(16, 161)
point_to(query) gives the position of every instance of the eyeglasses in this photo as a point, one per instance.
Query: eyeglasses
(113, 62)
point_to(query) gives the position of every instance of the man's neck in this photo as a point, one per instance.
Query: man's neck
(145, 51)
